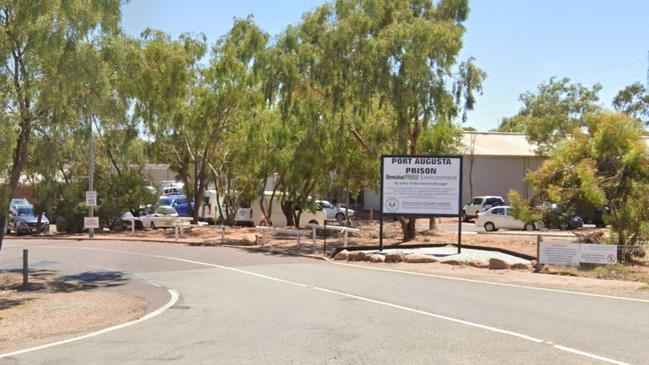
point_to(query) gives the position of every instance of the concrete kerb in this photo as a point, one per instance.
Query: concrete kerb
(434, 245)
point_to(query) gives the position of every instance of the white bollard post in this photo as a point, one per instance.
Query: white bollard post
(298, 241)
(222, 234)
(315, 241)
(176, 231)
(345, 238)
(132, 225)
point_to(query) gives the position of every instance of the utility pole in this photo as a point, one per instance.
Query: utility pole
(91, 173)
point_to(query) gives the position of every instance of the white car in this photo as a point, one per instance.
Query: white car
(163, 217)
(480, 204)
(500, 217)
(334, 211)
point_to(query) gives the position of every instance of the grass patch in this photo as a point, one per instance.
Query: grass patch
(613, 272)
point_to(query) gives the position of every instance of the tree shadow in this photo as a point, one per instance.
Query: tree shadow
(9, 303)
(89, 280)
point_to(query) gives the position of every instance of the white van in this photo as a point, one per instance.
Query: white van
(209, 206)
(252, 215)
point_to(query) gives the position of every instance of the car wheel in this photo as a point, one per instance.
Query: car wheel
(530, 227)
(153, 225)
(313, 221)
(489, 227)
(340, 217)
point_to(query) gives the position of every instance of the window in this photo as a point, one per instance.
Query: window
(25, 211)
(494, 201)
(498, 211)
(476, 201)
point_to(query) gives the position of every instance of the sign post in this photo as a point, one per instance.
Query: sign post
(421, 186)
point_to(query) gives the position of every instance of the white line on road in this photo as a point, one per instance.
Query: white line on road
(172, 300)
(437, 276)
(396, 306)
(429, 314)
(592, 356)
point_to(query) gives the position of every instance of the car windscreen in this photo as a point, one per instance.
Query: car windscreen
(25, 211)
(165, 201)
(166, 210)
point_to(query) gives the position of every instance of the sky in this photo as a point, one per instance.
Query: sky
(518, 43)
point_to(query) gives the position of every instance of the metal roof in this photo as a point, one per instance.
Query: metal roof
(497, 144)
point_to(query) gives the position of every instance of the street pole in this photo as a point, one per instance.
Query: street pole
(91, 173)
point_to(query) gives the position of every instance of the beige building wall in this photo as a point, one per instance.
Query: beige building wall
(497, 175)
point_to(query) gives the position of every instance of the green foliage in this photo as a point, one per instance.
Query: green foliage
(553, 112)
(606, 165)
(634, 101)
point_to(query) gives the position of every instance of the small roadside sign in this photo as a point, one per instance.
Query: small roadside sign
(91, 222)
(91, 198)
(598, 254)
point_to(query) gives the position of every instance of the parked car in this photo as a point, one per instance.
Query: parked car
(162, 216)
(21, 219)
(557, 217)
(334, 211)
(178, 202)
(480, 204)
(500, 217)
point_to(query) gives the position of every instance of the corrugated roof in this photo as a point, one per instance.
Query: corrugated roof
(501, 144)
(497, 144)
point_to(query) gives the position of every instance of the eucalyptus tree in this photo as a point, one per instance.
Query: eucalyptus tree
(38, 40)
(552, 112)
(634, 101)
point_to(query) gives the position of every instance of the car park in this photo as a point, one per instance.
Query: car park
(480, 204)
(335, 212)
(159, 217)
(21, 219)
(500, 218)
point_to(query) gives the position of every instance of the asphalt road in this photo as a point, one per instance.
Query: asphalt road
(237, 307)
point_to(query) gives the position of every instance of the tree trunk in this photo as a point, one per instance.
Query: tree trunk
(20, 155)
(432, 225)
(409, 229)
(287, 209)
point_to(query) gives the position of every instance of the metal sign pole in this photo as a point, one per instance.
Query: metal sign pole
(381, 209)
(459, 207)
(91, 173)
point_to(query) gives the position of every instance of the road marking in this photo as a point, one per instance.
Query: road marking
(588, 354)
(437, 276)
(429, 314)
(172, 300)
(339, 293)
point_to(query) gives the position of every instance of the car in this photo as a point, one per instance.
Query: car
(334, 211)
(557, 217)
(21, 219)
(480, 204)
(500, 217)
(178, 202)
(162, 216)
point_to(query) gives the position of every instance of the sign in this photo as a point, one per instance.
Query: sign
(91, 222)
(421, 185)
(572, 254)
(598, 254)
(91, 198)
(567, 254)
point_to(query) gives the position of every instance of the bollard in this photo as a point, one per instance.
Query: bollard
(345, 238)
(538, 266)
(314, 247)
(25, 269)
(298, 248)
(222, 234)
(132, 225)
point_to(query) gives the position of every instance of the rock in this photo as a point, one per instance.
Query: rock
(520, 266)
(377, 258)
(250, 238)
(356, 256)
(419, 259)
(498, 264)
(342, 255)
(395, 256)
(451, 262)
(479, 264)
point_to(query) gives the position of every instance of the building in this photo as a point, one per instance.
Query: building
(494, 164)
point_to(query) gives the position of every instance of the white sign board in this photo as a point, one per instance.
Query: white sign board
(91, 198)
(421, 185)
(571, 254)
(566, 254)
(91, 222)
(598, 254)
